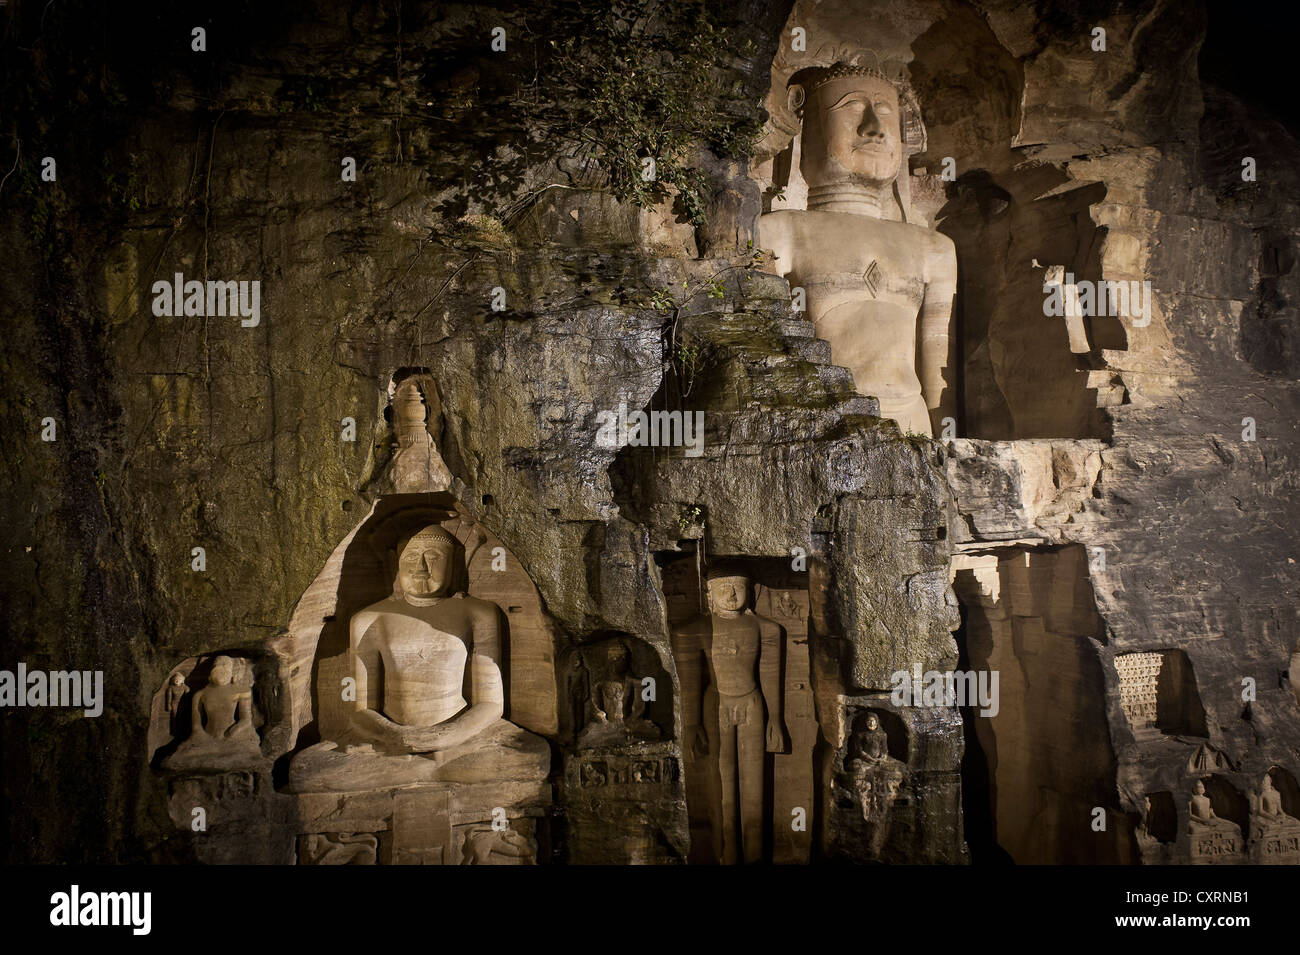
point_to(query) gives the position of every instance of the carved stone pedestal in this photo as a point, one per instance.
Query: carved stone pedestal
(626, 806)
(1217, 847)
(1276, 843)
(489, 824)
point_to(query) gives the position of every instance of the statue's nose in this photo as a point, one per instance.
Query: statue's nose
(871, 127)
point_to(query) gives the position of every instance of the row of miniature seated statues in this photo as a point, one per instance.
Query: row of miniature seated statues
(1272, 830)
(430, 699)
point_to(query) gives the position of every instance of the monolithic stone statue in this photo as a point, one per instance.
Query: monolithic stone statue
(417, 467)
(415, 657)
(740, 711)
(222, 735)
(1201, 817)
(879, 287)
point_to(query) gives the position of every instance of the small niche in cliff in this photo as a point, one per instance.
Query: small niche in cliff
(1158, 694)
(1041, 762)
(1161, 821)
(614, 692)
(1026, 373)
(740, 647)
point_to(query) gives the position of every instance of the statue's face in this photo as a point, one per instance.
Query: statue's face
(424, 567)
(728, 593)
(223, 669)
(1199, 788)
(872, 722)
(852, 132)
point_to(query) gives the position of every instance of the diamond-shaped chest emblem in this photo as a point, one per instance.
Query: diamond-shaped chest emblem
(873, 276)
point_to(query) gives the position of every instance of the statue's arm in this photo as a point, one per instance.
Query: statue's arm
(487, 690)
(774, 237)
(934, 353)
(769, 679)
(366, 716)
(196, 714)
(688, 651)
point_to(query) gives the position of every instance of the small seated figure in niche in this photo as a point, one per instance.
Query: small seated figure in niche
(1201, 818)
(873, 773)
(740, 711)
(222, 735)
(612, 718)
(429, 690)
(1269, 819)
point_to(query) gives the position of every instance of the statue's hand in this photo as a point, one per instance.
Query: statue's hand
(775, 737)
(701, 745)
(427, 739)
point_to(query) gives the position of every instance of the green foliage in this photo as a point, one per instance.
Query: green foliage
(610, 85)
(123, 189)
(302, 93)
(642, 79)
(690, 516)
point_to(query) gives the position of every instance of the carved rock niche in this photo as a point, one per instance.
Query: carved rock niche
(1217, 820)
(1158, 694)
(1041, 761)
(1275, 819)
(210, 714)
(444, 821)
(624, 802)
(769, 814)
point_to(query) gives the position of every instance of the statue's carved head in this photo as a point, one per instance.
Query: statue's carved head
(223, 671)
(858, 125)
(728, 590)
(424, 563)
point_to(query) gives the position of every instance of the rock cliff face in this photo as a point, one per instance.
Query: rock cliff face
(1108, 524)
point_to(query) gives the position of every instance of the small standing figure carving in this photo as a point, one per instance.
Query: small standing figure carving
(176, 690)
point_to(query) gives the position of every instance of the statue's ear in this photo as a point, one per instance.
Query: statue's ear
(795, 95)
(912, 126)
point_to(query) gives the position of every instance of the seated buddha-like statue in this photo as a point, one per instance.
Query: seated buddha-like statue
(429, 689)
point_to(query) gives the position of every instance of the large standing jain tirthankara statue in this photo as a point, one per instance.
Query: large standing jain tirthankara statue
(879, 288)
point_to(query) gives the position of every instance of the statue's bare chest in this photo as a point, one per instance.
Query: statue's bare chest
(836, 256)
(731, 642)
(416, 648)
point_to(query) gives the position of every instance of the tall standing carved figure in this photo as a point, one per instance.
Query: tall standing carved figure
(879, 288)
(740, 717)
(416, 656)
